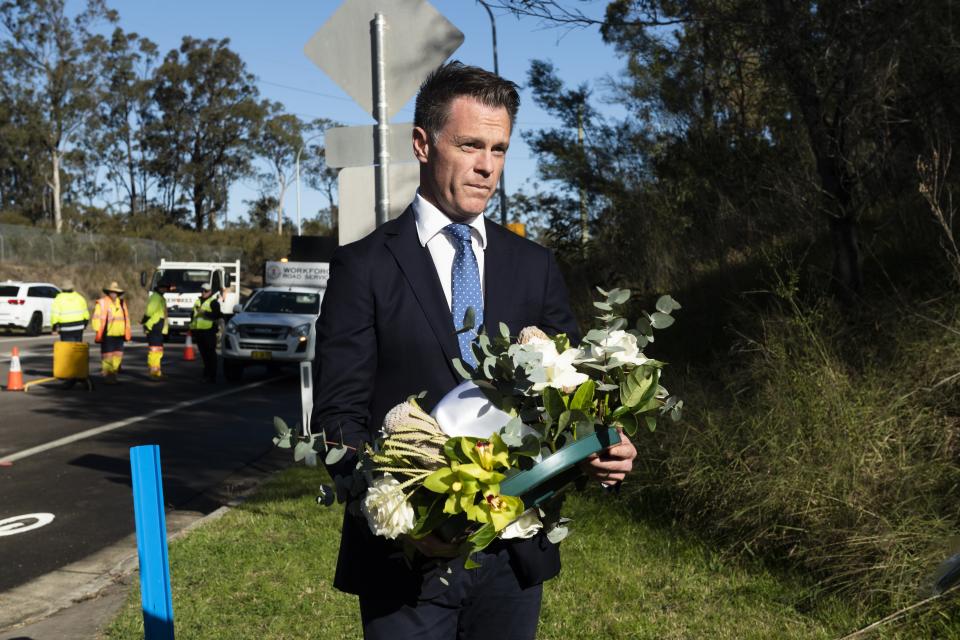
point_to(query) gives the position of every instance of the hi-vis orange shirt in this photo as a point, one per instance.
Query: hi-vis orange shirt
(111, 318)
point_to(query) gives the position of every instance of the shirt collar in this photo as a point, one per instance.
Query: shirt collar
(431, 221)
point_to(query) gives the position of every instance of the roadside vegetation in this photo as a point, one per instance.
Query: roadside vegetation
(264, 570)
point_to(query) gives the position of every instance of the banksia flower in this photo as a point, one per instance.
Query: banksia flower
(531, 334)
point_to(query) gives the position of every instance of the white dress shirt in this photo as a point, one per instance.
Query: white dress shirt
(442, 247)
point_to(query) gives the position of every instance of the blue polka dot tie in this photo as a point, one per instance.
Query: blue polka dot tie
(466, 291)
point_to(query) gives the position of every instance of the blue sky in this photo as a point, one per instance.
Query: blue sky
(270, 37)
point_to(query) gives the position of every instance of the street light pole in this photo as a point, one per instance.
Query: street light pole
(496, 70)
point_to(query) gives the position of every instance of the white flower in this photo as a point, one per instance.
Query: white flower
(619, 348)
(526, 526)
(545, 367)
(386, 508)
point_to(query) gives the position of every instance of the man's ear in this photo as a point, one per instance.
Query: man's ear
(421, 144)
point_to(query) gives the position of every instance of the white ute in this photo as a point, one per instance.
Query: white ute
(186, 278)
(277, 325)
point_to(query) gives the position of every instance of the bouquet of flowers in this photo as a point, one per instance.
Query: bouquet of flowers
(489, 459)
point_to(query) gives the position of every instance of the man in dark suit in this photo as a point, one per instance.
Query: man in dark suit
(388, 330)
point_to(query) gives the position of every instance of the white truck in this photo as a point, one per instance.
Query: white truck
(186, 278)
(277, 324)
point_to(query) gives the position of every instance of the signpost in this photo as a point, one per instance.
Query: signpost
(407, 40)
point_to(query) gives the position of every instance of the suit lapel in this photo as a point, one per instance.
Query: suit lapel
(499, 272)
(418, 269)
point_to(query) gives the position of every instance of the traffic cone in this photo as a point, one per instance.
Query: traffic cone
(15, 377)
(188, 350)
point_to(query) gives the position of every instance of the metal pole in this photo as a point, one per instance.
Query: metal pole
(382, 168)
(496, 70)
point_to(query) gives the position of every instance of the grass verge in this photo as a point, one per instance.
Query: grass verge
(264, 571)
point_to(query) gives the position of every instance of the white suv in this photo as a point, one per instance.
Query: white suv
(26, 305)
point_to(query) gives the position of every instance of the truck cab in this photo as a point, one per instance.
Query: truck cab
(185, 279)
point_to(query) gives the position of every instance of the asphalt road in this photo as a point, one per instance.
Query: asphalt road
(64, 453)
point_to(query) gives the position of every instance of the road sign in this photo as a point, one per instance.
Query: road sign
(354, 146)
(357, 197)
(417, 40)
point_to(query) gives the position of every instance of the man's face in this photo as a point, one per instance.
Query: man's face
(459, 173)
(113, 295)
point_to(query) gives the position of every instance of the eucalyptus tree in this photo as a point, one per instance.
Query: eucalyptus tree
(51, 59)
(279, 142)
(208, 114)
(124, 110)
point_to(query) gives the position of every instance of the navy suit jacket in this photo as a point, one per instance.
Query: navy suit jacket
(385, 333)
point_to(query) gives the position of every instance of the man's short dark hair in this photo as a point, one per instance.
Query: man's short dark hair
(455, 80)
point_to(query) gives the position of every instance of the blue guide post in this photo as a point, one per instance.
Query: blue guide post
(155, 594)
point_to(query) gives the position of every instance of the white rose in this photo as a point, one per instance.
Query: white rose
(545, 367)
(526, 526)
(619, 348)
(386, 508)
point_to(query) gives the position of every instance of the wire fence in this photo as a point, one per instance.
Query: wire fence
(21, 244)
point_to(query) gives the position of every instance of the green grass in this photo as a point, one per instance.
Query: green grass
(264, 571)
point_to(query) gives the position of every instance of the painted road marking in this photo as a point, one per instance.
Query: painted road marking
(22, 524)
(89, 433)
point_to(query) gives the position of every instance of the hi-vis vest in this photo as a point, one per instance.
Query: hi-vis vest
(111, 318)
(202, 314)
(69, 310)
(156, 312)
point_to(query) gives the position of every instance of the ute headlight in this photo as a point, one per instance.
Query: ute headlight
(301, 332)
(232, 327)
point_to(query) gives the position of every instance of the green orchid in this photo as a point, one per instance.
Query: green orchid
(496, 509)
(462, 482)
(489, 454)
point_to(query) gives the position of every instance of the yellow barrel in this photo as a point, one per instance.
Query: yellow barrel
(71, 360)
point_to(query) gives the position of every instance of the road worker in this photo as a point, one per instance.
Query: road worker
(203, 328)
(155, 326)
(111, 321)
(69, 314)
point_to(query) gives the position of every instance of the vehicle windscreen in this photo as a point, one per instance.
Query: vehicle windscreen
(284, 302)
(183, 280)
(7, 291)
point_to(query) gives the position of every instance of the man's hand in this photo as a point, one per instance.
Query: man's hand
(613, 464)
(432, 546)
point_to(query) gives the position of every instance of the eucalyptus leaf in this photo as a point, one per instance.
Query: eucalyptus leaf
(283, 442)
(280, 426)
(643, 325)
(301, 451)
(618, 296)
(489, 366)
(606, 386)
(504, 331)
(651, 423)
(618, 324)
(510, 433)
(557, 534)
(603, 306)
(335, 455)
(666, 304)
(463, 369)
(469, 320)
(596, 336)
(661, 320)
(602, 292)
(484, 342)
